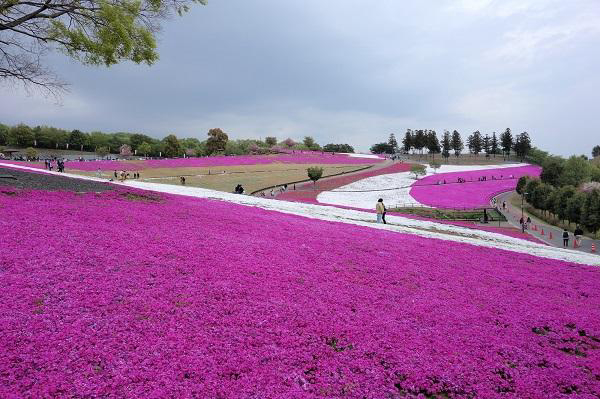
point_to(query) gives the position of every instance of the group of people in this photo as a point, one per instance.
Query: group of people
(122, 175)
(577, 236)
(59, 164)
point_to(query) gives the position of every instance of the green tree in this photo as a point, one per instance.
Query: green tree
(99, 139)
(576, 171)
(3, 134)
(102, 151)
(31, 153)
(487, 144)
(540, 196)
(590, 213)
(506, 141)
(596, 151)
(575, 207)
(523, 180)
(552, 169)
(522, 145)
(310, 143)
(457, 143)
(446, 145)
(144, 148)
(21, 135)
(93, 32)
(407, 141)
(530, 188)
(420, 140)
(381, 148)
(315, 173)
(271, 141)
(475, 142)
(217, 140)
(418, 170)
(494, 144)
(77, 140)
(172, 146)
(345, 148)
(136, 139)
(565, 193)
(435, 165)
(432, 143)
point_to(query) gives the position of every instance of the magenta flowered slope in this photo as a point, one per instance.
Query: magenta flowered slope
(138, 295)
(297, 158)
(473, 193)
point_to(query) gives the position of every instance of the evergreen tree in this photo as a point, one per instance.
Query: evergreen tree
(487, 145)
(446, 145)
(433, 144)
(456, 143)
(596, 151)
(494, 144)
(506, 141)
(408, 141)
(522, 145)
(420, 140)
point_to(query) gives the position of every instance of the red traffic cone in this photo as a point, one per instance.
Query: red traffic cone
(542, 231)
(593, 247)
(550, 235)
(575, 243)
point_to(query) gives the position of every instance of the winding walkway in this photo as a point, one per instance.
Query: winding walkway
(513, 215)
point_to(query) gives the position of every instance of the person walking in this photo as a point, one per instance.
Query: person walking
(503, 205)
(565, 238)
(578, 233)
(380, 209)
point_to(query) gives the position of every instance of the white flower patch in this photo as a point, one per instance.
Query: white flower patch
(394, 188)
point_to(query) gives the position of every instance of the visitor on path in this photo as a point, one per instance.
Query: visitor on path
(116, 174)
(503, 205)
(485, 216)
(578, 233)
(99, 173)
(182, 180)
(565, 238)
(380, 209)
(522, 222)
(528, 222)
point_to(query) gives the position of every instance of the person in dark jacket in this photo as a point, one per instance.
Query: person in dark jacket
(565, 238)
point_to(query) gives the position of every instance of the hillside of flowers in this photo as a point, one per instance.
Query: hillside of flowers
(135, 294)
(473, 193)
(308, 157)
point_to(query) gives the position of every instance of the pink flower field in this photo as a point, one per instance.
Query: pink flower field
(130, 294)
(471, 194)
(297, 158)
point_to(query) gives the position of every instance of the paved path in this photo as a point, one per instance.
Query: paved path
(513, 215)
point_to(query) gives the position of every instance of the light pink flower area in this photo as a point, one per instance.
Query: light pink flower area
(153, 296)
(473, 193)
(297, 158)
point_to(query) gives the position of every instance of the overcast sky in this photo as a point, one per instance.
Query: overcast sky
(348, 71)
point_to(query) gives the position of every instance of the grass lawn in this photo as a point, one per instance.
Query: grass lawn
(448, 214)
(252, 177)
